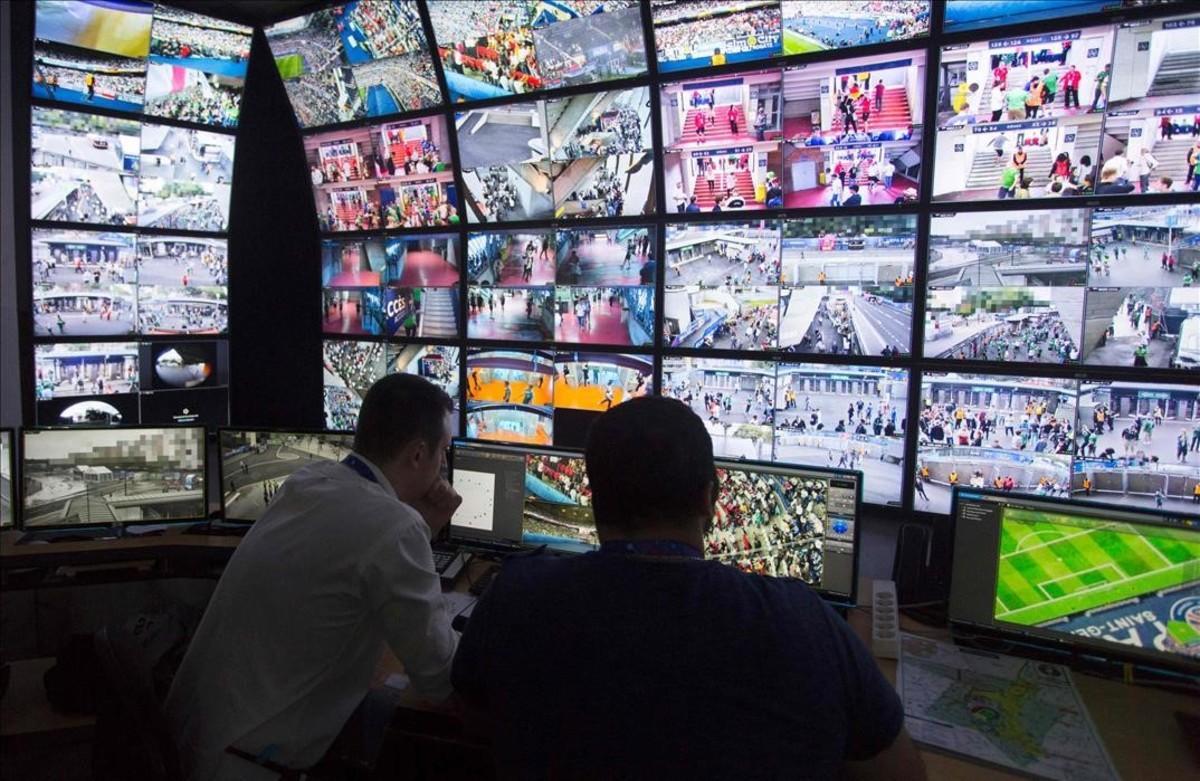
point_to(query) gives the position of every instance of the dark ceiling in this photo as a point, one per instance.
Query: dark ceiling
(252, 12)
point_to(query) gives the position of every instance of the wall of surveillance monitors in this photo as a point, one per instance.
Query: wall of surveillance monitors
(135, 106)
(551, 206)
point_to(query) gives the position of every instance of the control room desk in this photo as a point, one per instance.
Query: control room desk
(1136, 723)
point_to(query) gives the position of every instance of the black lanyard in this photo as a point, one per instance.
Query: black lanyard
(361, 467)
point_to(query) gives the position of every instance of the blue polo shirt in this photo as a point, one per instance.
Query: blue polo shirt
(624, 666)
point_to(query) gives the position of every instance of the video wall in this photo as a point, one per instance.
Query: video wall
(940, 338)
(132, 148)
(797, 217)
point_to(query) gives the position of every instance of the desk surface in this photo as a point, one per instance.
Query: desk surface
(1136, 723)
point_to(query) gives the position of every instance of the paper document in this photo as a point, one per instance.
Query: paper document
(1019, 713)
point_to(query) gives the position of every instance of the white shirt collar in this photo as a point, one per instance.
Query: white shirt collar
(379, 475)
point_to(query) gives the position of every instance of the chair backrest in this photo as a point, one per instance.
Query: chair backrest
(132, 739)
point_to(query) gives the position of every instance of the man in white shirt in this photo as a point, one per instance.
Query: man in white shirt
(338, 565)
(1142, 166)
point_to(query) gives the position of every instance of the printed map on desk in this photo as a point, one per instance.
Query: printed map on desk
(1009, 711)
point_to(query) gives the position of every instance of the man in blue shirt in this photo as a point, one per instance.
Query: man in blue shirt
(643, 660)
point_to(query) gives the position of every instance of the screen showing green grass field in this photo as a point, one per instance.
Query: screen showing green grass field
(1101, 579)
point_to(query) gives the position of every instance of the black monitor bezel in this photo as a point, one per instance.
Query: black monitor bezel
(204, 432)
(1065, 643)
(220, 456)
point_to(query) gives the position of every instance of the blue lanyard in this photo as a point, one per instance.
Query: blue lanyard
(657, 548)
(360, 466)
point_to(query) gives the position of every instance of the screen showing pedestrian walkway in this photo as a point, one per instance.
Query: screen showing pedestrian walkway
(255, 464)
(103, 477)
(1112, 579)
(140, 57)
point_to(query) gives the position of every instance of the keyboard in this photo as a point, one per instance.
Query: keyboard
(442, 559)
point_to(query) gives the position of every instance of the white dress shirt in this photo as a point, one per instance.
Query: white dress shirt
(286, 650)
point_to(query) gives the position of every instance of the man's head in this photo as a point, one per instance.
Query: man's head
(650, 466)
(403, 428)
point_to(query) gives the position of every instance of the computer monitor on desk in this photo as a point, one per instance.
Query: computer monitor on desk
(256, 462)
(789, 521)
(1076, 576)
(111, 476)
(514, 496)
(771, 519)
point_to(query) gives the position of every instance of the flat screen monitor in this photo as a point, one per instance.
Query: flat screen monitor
(112, 476)
(789, 521)
(770, 519)
(1074, 575)
(7, 463)
(255, 463)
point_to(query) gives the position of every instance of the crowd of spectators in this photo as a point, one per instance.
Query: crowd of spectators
(388, 28)
(206, 102)
(184, 40)
(735, 33)
(840, 24)
(409, 79)
(54, 71)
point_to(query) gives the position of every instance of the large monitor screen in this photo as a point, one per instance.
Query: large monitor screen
(698, 33)
(962, 15)
(512, 47)
(363, 58)
(350, 368)
(185, 179)
(390, 175)
(1117, 581)
(783, 521)
(1022, 117)
(86, 477)
(510, 395)
(256, 463)
(84, 167)
(823, 25)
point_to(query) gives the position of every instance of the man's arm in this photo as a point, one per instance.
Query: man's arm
(901, 760)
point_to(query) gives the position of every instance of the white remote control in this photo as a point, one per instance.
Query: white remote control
(885, 621)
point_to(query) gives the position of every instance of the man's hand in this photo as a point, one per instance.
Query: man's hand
(438, 505)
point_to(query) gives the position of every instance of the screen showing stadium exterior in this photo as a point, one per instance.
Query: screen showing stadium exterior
(197, 67)
(1134, 442)
(785, 524)
(390, 175)
(987, 431)
(1021, 117)
(1064, 571)
(1153, 101)
(112, 476)
(185, 179)
(510, 395)
(1006, 286)
(84, 167)
(350, 368)
(1143, 299)
(845, 417)
(558, 503)
(821, 25)
(7, 511)
(83, 283)
(363, 58)
(86, 383)
(847, 285)
(512, 47)
(583, 156)
(735, 399)
(699, 33)
(962, 15)
(256, 464)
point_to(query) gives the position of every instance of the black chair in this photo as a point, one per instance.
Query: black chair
(132, 740)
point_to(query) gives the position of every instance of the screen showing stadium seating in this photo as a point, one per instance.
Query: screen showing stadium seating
(256, 463)
(1117, 581)
(512, 47)
(696, 34)
(822, 25)
(962, 15)
(363, 58)
(7, 475)
(140, 57)
(792, 522)
(93, 477)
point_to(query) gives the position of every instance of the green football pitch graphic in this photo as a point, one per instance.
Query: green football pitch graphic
(1054, 565)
